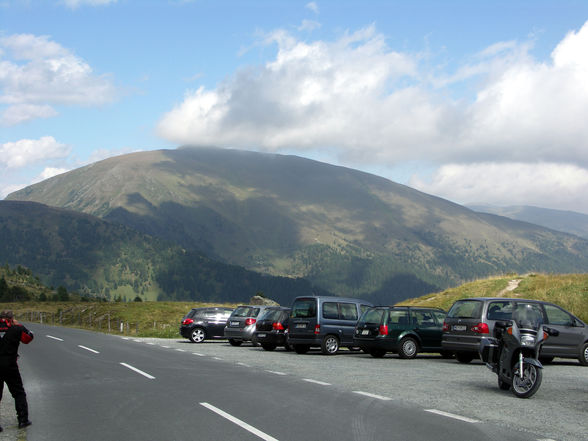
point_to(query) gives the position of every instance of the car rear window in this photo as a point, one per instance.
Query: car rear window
(271, 314)
(304, 308)
(372, 316)
(466, 309)
(245, 311)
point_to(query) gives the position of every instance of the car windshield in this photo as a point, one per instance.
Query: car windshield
(466, 309)
(304, 309)
(246, 311)
(372, 316)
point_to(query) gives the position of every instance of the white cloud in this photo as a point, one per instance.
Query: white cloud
(313, 7)
(37, 74)
(49, 172)
(25, 152)
(73, 4)
(541, 184)
(372, 105)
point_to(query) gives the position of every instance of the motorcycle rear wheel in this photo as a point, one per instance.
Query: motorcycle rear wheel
(527, 386)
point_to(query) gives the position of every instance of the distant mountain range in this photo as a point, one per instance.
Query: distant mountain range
(560, 220)
(345, 231)
(99, 258)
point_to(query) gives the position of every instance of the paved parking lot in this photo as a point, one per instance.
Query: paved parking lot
(558, 411)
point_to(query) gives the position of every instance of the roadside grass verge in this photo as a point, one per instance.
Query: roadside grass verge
(570, 291)
(140, 319)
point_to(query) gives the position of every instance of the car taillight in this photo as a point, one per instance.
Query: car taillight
(277, 326)
(187, 321)
(383, 330)
(250, 321)
(317, 329)
(445, 327)
(481, 328)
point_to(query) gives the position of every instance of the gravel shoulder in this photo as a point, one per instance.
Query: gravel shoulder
(558, 411)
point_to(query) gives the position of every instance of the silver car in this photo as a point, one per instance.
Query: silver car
(241, 324)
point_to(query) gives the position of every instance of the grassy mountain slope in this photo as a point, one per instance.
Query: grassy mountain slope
(93, 256)
(570, 291)
(566, 221)
(347, 231)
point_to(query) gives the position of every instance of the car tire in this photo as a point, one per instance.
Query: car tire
(268, 346)
(234, 342)
(301, 349)
(408, 348)
(464, 357)
(377, 353)
(197, 335)
(584, 355)
(330, 345)
(503, 385)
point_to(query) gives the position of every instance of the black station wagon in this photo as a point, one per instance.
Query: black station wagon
(400, 329)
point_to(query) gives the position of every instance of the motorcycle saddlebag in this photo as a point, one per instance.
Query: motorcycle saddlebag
(489, 350)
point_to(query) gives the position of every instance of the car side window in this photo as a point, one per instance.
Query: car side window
(440, 316)
(424, 319)
(499, 311)
(363, 308)
(398, 319)
(330, 310)
(556, 316)
(348, 311)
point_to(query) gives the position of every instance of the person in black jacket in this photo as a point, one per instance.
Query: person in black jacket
(12, 334)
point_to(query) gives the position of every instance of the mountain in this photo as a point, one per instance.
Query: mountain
(96, 257)
(560, 220)
(349, 232)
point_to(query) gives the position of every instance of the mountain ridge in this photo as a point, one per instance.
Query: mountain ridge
(346, 231)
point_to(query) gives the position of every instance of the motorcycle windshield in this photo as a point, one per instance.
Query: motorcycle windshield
(528, 316)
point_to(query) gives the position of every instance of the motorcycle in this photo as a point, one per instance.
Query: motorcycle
(514, 350)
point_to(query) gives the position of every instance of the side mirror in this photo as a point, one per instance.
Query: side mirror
(550, 331)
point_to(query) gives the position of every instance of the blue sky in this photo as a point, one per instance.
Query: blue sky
(476, 102)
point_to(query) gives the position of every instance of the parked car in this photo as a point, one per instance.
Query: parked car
(271, 328)
(203, 323)
(324, 321)
(469, 320)
(240, 326)
(400, 329)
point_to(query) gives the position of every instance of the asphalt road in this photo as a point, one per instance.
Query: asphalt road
(87, 386)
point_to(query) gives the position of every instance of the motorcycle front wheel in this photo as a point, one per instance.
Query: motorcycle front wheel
(526, 386)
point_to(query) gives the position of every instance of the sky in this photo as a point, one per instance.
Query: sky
(478, 102)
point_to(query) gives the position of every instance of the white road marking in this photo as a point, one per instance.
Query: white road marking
(197, 353)
(54, 338)
(367, 394)
(88, 349)
(180, 350)
(138, 341)
(243, 364)
(322, 383)
(145, 374)
(150, 343)
(451, 415)
(276, 372)
(216, 358)
(166, 347)
(239, 423)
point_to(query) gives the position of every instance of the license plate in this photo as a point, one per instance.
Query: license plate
(459, 327)
(234, 323)
(365, 332)
(261, 335)
(301, 325)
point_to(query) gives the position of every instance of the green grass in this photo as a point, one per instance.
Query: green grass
(570, 291)
(141, 319)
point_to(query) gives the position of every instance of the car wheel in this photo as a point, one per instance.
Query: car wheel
(330, 345)
(234, 342)
(197, 335)
(301, 349)
(464, 357)
(408, 348)
(584, 355)
(268, 346)
(377, 353)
